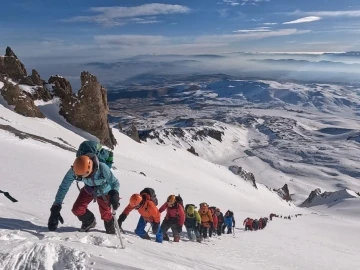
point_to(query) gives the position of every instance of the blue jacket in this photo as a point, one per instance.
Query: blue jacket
(103, 178)
(229, 221)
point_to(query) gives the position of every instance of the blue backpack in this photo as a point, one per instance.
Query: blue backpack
(93, 147)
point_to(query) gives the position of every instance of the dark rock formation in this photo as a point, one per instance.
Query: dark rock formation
(11, 66)
(10, 53)
(33, 80)
(284, 193)
(247, 176)
(88, 110)
(312, 195)
(22, 103)
(192, 150)
(133, 133)
(61, 87)
(197, 134)
(35, 77)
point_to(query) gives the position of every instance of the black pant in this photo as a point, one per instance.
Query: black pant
(248, 228)
(166, 225)
(203, 231)
(219, 228)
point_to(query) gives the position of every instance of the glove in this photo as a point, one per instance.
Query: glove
(114, 199)
(155, 227)
(179, 228)
(55, 217)
(211, 224)
(121, 219)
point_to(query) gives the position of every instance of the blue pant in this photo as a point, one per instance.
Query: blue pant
(140, 230)
(190, 231)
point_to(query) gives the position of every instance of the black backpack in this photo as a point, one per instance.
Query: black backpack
(151, 193)
(179, 200)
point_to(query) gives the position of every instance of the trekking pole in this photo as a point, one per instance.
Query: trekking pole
(113, 213)
(7, 195)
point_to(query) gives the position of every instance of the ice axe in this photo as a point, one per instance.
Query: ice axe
(117, 227)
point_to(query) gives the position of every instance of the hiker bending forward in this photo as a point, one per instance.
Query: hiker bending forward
(174, 219)
(100, 185)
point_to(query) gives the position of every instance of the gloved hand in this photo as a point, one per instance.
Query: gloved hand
(211, 224)
(179, 228)
(55, 217)
(114, 199)
(121, 219)
(155, 227)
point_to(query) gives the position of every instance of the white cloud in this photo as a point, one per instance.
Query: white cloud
(336, 13)
(235, 3)
(270, 23)
(231, 2)
(112, 16)
(259, 29)
(304, 20)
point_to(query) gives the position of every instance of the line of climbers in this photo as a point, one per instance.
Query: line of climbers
(199, 224)
(92, 167)
(272, 215)
(255, 224)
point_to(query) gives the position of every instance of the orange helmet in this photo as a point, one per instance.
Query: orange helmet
(135, 200)
(83, 166)
(171, 199)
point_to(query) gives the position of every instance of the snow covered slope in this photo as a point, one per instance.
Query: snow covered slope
(32, 167)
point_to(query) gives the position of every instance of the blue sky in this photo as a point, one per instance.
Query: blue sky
(109, 29)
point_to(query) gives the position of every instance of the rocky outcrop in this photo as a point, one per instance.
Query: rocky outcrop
(22, 103)
(312, 196)
(88, 110)
(284, 193)
(133, 133)
(33, 80)
(195, 133)
(35, 77)
(61, 87)
(192, 151)
(247, 176)
(10, 66)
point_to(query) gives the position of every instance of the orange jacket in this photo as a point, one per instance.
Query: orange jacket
(148, 211)
(206, 218)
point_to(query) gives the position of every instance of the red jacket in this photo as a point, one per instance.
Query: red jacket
(174, 212)
(215, 221)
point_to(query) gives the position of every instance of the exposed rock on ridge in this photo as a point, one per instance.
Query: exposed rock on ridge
(284, 193)
(247, 176)
(11, 66)
(88, 110)
(22, 103)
